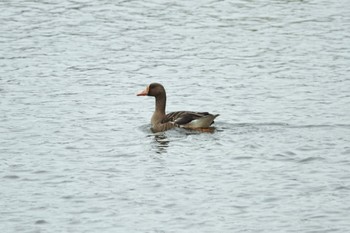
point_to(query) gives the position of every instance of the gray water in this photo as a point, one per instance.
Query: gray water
(76, 151)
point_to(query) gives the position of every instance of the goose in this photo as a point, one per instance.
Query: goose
(183, 119)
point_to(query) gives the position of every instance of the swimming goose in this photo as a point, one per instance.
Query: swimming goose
(184, 119)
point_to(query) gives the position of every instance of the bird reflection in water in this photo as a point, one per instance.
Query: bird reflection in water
(162, 143)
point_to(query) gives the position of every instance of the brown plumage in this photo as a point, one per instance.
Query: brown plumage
(184, 119)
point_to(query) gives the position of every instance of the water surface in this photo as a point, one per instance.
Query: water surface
(77, 153)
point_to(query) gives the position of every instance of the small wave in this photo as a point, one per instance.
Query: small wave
(342, 187)
(41, 221)
(280, 124)
(11, 177)
(250, 124)
(243, 157)
(310, 159)
(321, 126)
(146, 128)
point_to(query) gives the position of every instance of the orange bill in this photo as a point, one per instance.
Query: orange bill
(144, 92)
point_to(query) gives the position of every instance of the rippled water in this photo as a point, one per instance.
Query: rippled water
(76, 151)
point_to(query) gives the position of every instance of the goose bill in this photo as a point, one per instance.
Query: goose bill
(143, 93)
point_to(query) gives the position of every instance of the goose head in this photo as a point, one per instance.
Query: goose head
(154, 89)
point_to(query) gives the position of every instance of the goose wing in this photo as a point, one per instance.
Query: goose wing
(183, 117)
